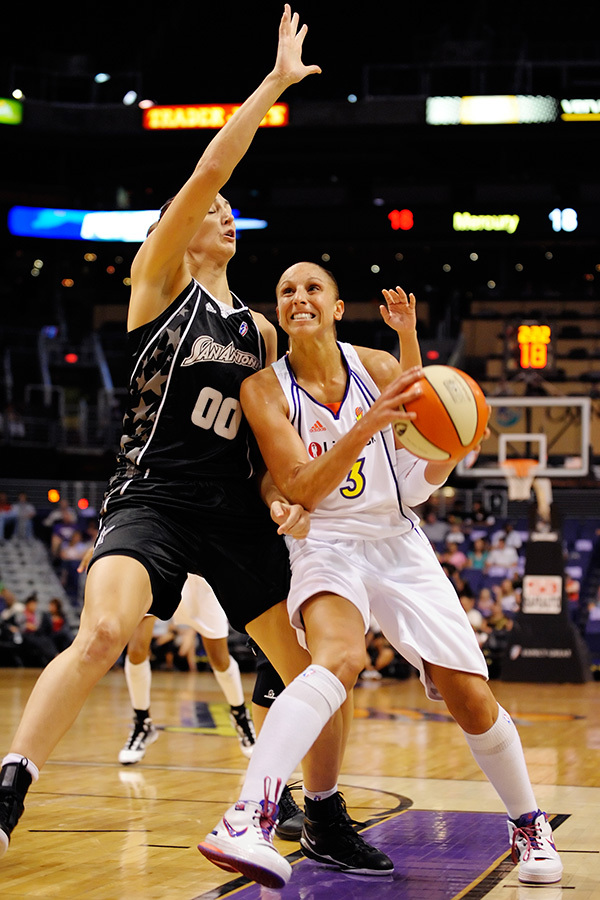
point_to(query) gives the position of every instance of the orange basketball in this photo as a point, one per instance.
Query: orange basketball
(452, 416)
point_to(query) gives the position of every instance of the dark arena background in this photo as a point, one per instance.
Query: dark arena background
(451, 150)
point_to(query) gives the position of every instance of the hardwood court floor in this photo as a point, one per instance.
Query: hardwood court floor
(95, 829)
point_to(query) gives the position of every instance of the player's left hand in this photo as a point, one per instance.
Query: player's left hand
(291, 518)
(399, 310)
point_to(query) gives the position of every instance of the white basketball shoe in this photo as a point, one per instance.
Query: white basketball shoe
(533, 848)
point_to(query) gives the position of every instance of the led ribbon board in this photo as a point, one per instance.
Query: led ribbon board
(126, 226)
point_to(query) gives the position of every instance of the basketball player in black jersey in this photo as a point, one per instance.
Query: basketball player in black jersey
(183, 498)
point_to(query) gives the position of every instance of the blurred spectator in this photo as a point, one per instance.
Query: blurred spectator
(461, 584)
(380, 654)
(62, 532)
(478, 623)
(6, 515)
(485, 602)
(511, 537)
(496, 645)
(13, 613)
(455, 534)
(36, 631)
(435, 529)
(11, 423)
(24, 513)
(478, 554)
(10, 632)
(455, 556)
(55, 515)
(71, 554)
(62, 636)
(479, 515)
(502, 557)
(509, 597)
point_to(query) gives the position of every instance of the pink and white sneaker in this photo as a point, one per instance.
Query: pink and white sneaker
(243, 842)
(534, 849)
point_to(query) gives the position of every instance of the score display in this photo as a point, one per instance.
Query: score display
(516, 222)
(528, 347)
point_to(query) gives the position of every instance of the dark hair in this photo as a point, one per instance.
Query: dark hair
(161, 213)
(325, 271)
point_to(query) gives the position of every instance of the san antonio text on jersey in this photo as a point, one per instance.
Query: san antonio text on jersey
(184, 418)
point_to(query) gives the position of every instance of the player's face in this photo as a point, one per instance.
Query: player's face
(216, 235)
(307, 299)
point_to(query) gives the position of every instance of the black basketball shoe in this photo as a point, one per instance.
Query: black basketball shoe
(14, 783)
(328, 837)
(290, 818)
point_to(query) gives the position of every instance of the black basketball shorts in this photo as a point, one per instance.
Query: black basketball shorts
(221, 530)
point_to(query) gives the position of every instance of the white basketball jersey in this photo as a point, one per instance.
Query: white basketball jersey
(367, 503)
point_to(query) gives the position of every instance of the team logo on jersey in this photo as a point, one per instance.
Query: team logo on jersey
(206, 349)
(317, 427)
(314, 449)
(244, 328)
(359, 412)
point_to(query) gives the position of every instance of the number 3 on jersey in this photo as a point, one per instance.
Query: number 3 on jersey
(222, 414)
(355, 483)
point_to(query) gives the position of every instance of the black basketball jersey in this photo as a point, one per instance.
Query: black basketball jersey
(184, 418)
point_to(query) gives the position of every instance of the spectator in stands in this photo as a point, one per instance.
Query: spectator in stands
(479, 515)
(11, 423)
(509, 597)
(455, 534)
(24, 513)
(71, 554)
(478, 623)
(495, 647)
(13, 613)
(503, 558)
(485, 602)
(6, 514)
(511, 537)
(435, 529)
(477, 556)
(62, 532)
(454, 555)
(36, 631)
(380, 653)
(56, 514)
(62, 635)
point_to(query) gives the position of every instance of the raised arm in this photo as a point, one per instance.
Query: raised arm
(399, 312)
(159, 271)
(301, 479)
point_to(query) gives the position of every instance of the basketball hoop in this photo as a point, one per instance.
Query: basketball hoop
(519, 474)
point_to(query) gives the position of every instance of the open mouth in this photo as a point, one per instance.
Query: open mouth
(302, 316)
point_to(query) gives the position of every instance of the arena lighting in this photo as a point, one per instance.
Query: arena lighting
(162, 118)
(71, 358)
(83, 503)
(11, 111)
(127, 226)
(53, 495)
(501, 109)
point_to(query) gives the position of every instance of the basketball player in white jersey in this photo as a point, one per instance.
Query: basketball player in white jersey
(323, 419)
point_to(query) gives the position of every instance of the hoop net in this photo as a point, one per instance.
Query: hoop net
(519, 475)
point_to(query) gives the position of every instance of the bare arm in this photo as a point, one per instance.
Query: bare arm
(159, 271)
(308, 481)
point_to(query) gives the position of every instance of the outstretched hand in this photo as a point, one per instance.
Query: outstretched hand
(289, 65)
(292, 519)
(399, 310)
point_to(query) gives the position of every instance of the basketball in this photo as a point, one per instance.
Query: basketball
(452, 416)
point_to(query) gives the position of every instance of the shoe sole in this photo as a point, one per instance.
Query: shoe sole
(249, 870)
(542, 878)
(328, 861)
(3, 843)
